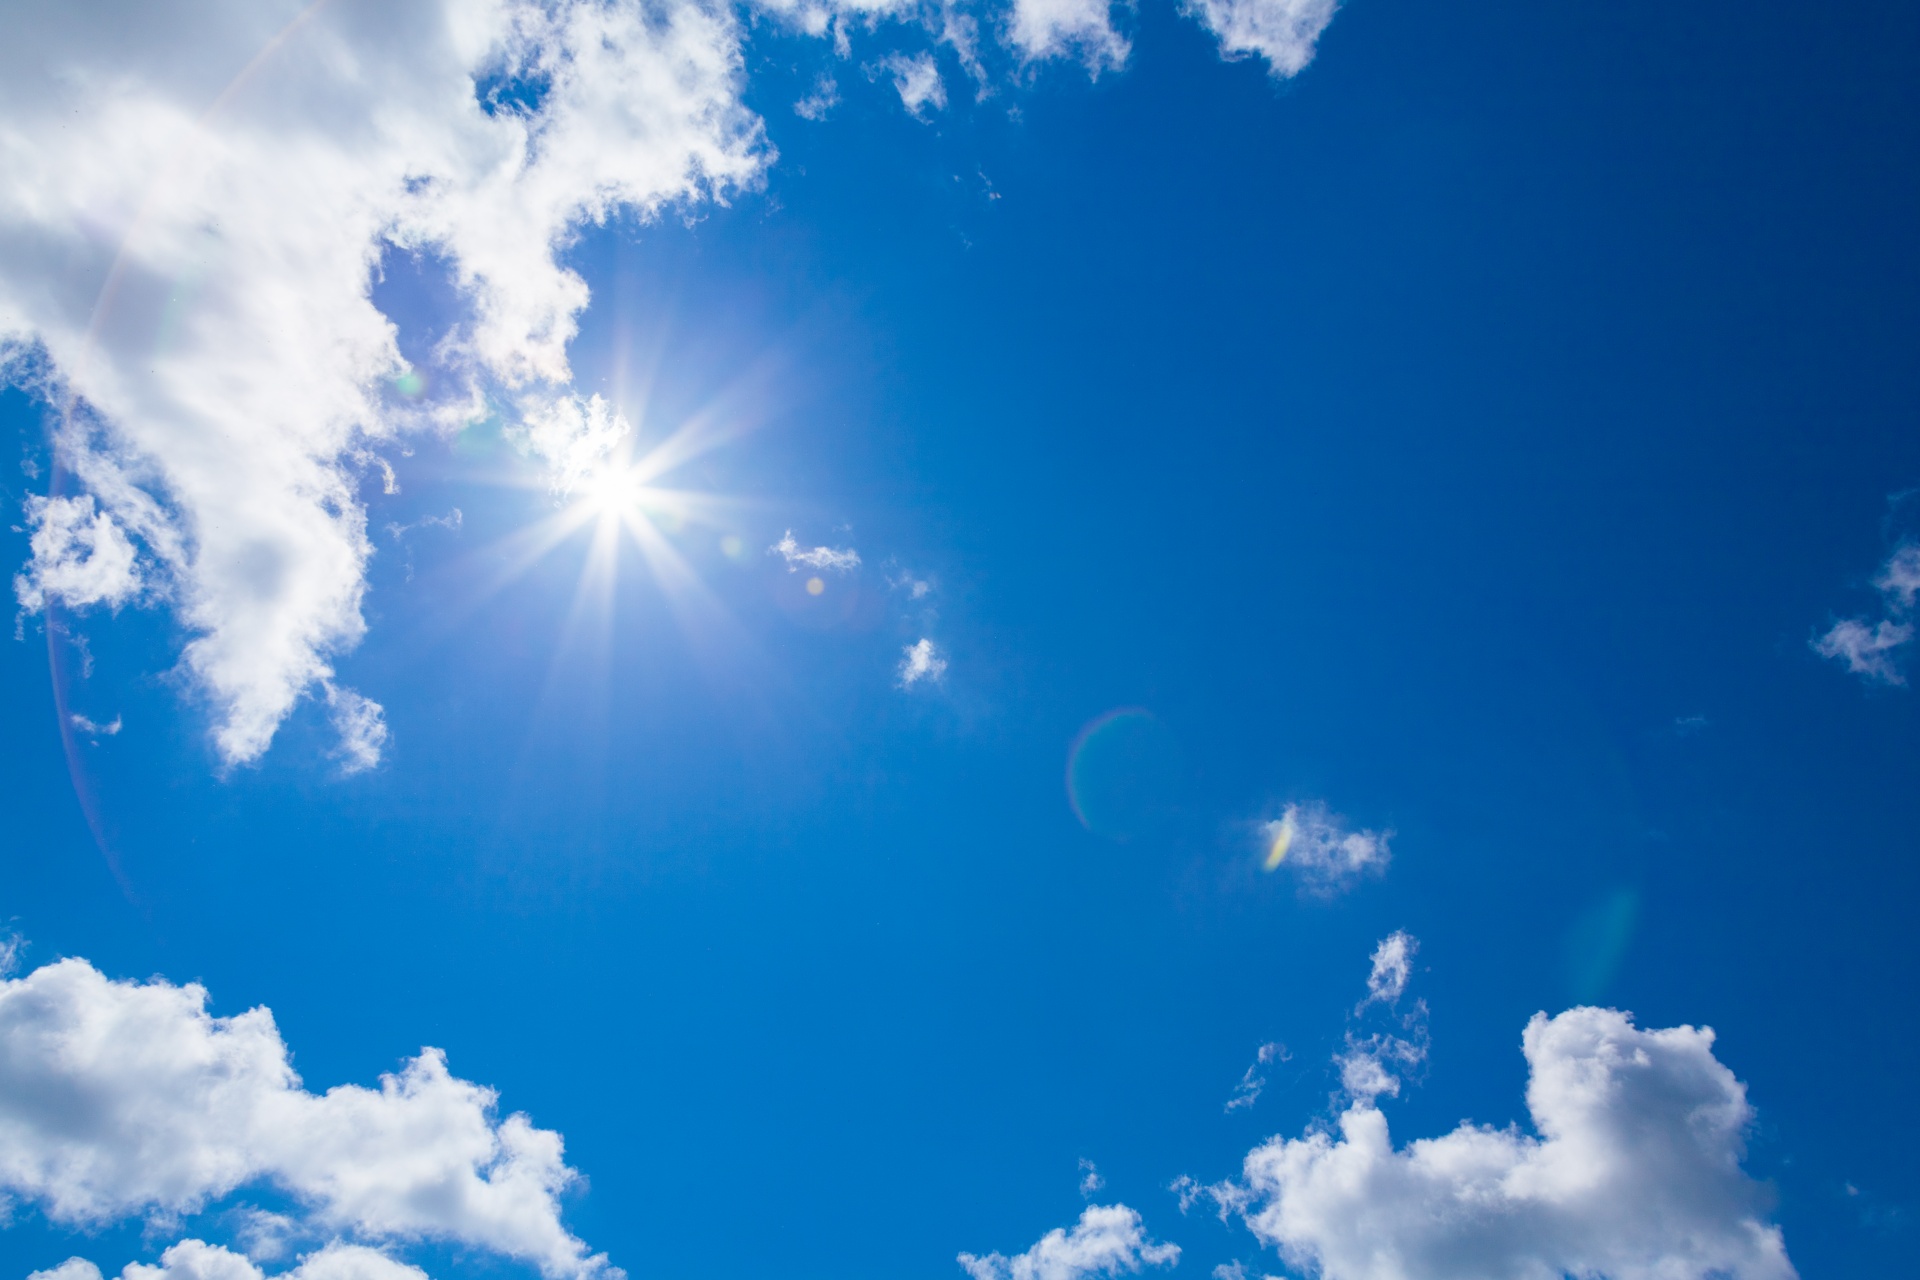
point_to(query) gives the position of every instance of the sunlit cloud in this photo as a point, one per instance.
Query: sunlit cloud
(1319, 847)
(920, 661)
(828, 559)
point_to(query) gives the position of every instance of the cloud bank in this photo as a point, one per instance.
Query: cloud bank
(121, 1100)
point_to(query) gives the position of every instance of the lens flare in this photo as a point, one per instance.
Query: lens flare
(1281, 842)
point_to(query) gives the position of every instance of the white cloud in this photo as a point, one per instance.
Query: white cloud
(1284, 32)
(1872, 650)
(1040, 29)
(917, 79)
(1322, 850)
(1633, 1172)
(1109, 1240)
(362, 725)
(919, 661)
(1090, 1179)
(80, 557)
(94, 728)
(1868, 651)
(824, 98)
(1392, 967)
(71, 1269)
(198, 1260)
(1248, 1091)
(235, 367)
(122, 1099)
(576, 438)
(837, 559)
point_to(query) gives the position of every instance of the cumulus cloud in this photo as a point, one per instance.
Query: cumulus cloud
(919, 661)
(1323, 851)
(835, 559)
(71, 1269)
(1632, 1171)
(1109, 1240)
(1284, 32)
(79, 556)
(194, 199)
(122, 1099)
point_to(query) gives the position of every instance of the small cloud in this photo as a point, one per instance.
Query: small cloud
(1871, 650)
(1687, 726)
(918, 81)
(362, 725)
(1284, 32)
(92, 728)
(1868, 651)
(1392, 966)
(921, 660)
(1322, 850)
(452, 521)
(1230, 1271)
(71, 1269)
(824, 98)
(832, 559)
(1247, 1092)
(1090, 1179)
(80, 556)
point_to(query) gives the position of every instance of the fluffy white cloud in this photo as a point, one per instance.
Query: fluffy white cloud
(1284, 32)
(797, 557)
(120, 1099)
(1633, 1172)
(1041, 29)
(1322, 850)
(1109, 1240)
(194, 196)
(80, 557)
(921, 660)
(198, 1260)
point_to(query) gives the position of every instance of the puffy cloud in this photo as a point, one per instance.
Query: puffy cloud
(1090, 1179)
(1633, 1172)
(1284, 32)
(837, 559)
(362, 725)
(917, 80)
(921, 660)
(1109, 1240)
(186, 258)
(197, 1260)
(71, 1269)
(80, 557)
(1322, 850)
(1041, 29)
(120, 1099)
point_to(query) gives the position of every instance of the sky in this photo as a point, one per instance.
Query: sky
(976, 639)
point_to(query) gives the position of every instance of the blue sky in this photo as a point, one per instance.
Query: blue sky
(1485, 455)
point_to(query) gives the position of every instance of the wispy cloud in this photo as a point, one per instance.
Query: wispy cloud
(1090, 1179)
(94, 729)
(920, 661)
(1872, 650)
(1248, 1091)
(361, 724)
(1321, 849)
(825, 559)
(917, 80)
